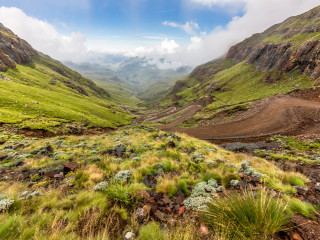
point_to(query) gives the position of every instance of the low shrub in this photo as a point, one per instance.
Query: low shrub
(247, 215)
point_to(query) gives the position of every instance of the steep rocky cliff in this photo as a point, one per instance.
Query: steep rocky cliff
(13, 50)
(289, 46)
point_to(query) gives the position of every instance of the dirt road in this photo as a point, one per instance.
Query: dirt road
(278, 115)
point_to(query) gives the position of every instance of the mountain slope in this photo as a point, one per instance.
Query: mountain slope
(38, 92)
(131, 81)
(280, 60)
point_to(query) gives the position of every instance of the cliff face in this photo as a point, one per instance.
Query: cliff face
(289, 46)
(13, 50)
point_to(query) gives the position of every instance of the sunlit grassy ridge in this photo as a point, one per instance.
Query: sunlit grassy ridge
(44, 94)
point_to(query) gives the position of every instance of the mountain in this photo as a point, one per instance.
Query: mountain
(40, 93)
(282, 59)
(130, 80)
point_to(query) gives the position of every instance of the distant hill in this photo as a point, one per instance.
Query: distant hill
(131, 81)
(282, 59)
(40, 93)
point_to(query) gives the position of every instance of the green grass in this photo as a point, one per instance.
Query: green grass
(31, 101)
(296, 206)
(246, 216)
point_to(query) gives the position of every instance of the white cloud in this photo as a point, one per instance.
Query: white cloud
(43, 36)
(189, 27)
(259, 15)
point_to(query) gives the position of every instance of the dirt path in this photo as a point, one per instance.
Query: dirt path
(279, 115)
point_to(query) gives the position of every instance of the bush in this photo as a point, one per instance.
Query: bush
(250, 216)
(297, 206)
(151, 231)
(210, 175)
(184, 187)
(119, 194)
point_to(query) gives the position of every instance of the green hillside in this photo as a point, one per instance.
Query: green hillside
(277, 61)
(36, 96)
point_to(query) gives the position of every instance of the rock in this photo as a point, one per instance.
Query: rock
(101, 186)
(42, 151)
(70, 167)
(59, 176)
(141, 215)
(204, 229)
(295, 236)
(120, 149)
(123, 176)
(181, 210)
(160, 216)
(17, 164)
(302, 190)
(143, 195)
(317, 186)
(129, 236)
(171, 144)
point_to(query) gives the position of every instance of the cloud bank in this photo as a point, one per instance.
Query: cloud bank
(43, 36)
(165, 52)
(259, 15)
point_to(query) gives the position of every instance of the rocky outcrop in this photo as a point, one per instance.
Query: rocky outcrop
(289, 46)
(13, 50)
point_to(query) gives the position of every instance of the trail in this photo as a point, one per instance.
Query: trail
(284, 115)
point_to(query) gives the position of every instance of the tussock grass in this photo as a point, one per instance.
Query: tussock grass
(246, 215)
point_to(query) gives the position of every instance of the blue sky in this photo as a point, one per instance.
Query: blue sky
(131, 19)
(171, 33)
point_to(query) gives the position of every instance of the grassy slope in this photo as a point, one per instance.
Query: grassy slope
(57, 103)
(78, 203)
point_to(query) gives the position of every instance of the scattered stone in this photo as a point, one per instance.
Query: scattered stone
(58, 176)
(295, 236)
(70, 167)
(129, 236)
(141, 215)
(160, 216)
(143, 195)
(101, 186)
(204, 229)
(181, 210)
(123, 176)
(302, 190)
(317, 186)
(171, 144)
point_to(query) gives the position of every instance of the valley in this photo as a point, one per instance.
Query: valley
(121, 149)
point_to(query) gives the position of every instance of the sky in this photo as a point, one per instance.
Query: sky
(170, 33)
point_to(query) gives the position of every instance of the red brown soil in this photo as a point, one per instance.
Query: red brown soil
(295, 114)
